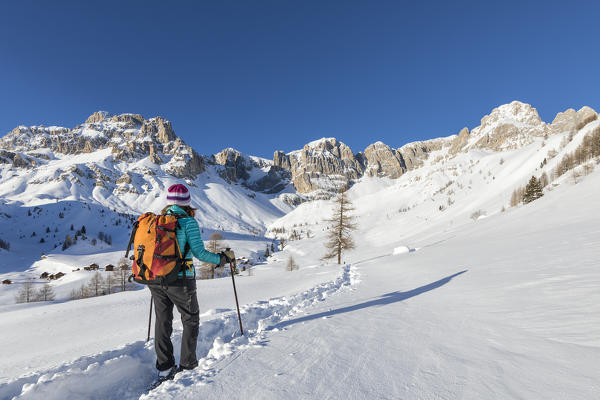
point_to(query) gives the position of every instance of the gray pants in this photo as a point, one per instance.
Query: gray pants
(184, 298)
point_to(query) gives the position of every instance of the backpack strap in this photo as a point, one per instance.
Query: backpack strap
(140, 262)
(133, 231)
(186, 248)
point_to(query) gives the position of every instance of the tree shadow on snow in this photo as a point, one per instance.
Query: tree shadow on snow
(388, 298)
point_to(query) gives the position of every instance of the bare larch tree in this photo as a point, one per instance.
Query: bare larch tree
(46, 293)
(339, 235)
(215, 241)
(27, 292)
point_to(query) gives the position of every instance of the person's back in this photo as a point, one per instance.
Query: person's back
(189, 237)
(182, 293)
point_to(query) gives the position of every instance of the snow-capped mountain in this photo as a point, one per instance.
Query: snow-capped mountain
(126, 158)
(325, 164)
(106, 171)
(439, 224)
(126, 162)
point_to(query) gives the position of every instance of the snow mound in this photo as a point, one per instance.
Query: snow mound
(402, 250)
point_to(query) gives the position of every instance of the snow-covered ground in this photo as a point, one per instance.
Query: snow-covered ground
(430, 305)
(503, 307)
(450, 292)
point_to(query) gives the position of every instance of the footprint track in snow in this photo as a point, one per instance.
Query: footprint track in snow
(126, 372)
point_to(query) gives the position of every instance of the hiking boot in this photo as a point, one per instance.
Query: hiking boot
(168, 374)
(163, 376)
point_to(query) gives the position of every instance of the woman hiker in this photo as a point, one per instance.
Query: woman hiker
(182, 294)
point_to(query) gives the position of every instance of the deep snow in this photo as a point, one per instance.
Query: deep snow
(501, 307)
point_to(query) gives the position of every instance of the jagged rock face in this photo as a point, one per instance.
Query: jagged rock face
(15, 159)
(126, 178)
(571, 120)
(274, 182)
(585, 115)
(281, 160)
(130, 137)
(326, 165)
(413, 155)
(381, 161)
(159, 127)
(6, 157)
(236, 166)
(460, 141)
(25, 138)
(97, 117)
(509, 126)
(322, 164)
(129, 120)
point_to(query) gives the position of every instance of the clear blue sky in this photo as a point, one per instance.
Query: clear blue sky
(266, 75)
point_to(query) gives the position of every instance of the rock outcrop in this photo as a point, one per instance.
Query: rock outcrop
(324, 164)
(382, 161)
(509, 126)
(571, 120)
(129, 136)
(160, 128)
(235, 165)
(97, 117)
(461, 140)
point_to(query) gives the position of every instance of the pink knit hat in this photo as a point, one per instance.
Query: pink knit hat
(178, 194)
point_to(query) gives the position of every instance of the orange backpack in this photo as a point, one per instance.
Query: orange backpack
(157, 259)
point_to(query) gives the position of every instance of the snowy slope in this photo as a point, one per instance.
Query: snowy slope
(504, 307)
(501, 307)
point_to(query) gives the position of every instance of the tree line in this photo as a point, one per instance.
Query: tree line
(101, 284)
(582, 155)
(29, 294)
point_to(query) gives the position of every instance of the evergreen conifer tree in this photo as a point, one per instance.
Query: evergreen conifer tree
(533, 190)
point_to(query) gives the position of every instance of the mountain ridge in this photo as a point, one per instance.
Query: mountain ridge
(317, 170)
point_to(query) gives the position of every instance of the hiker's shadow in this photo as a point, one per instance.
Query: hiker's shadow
(388, 298)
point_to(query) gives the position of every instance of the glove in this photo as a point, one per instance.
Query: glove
(227, 256)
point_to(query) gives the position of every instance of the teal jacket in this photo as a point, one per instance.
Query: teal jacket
(189, 232)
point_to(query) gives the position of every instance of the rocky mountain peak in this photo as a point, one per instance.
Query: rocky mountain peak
(571, 120)
(322, 164)
(331, 146)
(514, 112)
(228, 156)
(235, 165)
(129, 136)
(509, 126)
(381, 160)
(97, 117)
(159, 128)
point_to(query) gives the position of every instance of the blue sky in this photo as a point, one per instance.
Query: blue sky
(261, 76)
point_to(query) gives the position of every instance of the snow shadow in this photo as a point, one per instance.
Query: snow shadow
(388, 298)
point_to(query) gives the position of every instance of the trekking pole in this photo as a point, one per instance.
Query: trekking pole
(236, 298)
(150, 318)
